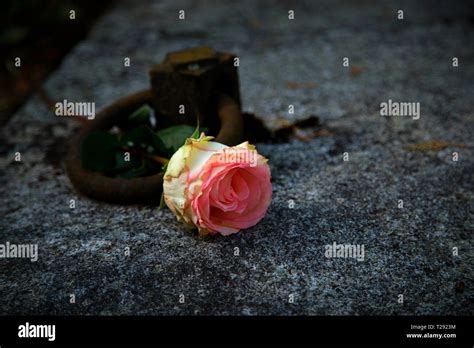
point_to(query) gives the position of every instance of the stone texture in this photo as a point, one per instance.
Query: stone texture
(408, 251)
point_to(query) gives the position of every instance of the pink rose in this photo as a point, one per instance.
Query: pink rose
(216, 188)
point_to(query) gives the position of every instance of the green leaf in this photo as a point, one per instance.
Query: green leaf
(174, 137)
(141, 115)
(143, 137)
(98, 151)
(135, 172)
(122, 165)
(105, 152)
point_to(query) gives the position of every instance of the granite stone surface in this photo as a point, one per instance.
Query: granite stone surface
(318, 197)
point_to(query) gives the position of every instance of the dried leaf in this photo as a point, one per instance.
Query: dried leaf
(300, 85)
(357, 70)
(433, 145)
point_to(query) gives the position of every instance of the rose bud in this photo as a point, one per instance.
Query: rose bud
(217, 188)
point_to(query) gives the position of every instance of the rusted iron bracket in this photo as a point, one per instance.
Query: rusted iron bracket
(203, 81)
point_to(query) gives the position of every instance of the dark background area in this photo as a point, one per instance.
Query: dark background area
(39, 33)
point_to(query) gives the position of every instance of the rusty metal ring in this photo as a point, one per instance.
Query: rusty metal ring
(144, 190)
